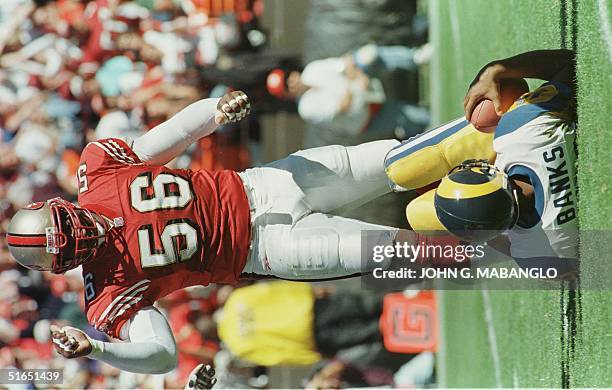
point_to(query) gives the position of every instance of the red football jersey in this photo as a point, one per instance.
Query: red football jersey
(181, 228)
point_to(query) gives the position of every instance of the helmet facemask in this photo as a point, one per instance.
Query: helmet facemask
(76, 235)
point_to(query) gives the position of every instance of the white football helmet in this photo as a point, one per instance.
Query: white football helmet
(55, 235)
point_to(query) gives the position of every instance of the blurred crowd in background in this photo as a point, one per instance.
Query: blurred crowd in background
(73, 71)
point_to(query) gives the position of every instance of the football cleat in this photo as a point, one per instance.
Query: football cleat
(202, 377)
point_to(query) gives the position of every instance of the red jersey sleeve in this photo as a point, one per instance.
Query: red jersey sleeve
(109, 309)
(108, 153)
(103, 157)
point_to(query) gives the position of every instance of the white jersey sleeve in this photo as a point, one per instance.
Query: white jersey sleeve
(169, 139)
(535, 139)
(151, 348)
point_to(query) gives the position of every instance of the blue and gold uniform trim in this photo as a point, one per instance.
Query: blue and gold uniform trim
(552, 98)
(427, 158)
(522, 170)
(427, 139)
(477, 203)
(468, 190)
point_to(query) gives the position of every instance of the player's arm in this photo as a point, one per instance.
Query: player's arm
(169, 139)
(151, 348)
(557, 65)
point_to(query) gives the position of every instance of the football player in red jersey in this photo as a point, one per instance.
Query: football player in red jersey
(142, 230)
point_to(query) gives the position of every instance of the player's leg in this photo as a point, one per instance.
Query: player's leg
(333, 177)
(428, 157)
(318, 246)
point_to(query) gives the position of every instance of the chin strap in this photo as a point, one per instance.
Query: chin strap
(118, 222)
(112, 224)
(517, 210)
(109, 226)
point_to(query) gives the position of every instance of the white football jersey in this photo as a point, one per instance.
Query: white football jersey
(535, 138)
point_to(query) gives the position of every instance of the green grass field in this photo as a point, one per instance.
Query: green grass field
(557, 338)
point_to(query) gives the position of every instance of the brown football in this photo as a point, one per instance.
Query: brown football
(484, 117)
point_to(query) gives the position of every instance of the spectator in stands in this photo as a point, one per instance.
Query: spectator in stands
(298, 324)
(341, 94)
(416, 372)
(72, 71)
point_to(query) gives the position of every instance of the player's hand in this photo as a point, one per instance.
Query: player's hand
(70, 342)
(484, 86)
(232, 107)
(201, 377)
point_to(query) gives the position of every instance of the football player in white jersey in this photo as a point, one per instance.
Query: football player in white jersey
(535, 146)
(527, 187)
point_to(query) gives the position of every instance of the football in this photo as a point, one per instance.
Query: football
(484, 117)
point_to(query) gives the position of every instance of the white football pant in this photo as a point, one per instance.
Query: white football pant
(292, 236)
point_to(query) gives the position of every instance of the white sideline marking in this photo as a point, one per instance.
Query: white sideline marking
(454, 21)
(441, 340)
(492, 337)
(435, 95)
(434, 83)
(515, 380)
(604, 23)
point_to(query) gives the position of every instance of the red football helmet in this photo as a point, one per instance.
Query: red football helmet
(55, 235)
